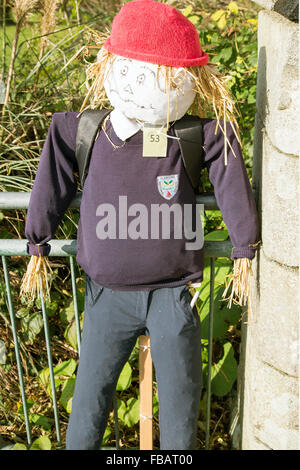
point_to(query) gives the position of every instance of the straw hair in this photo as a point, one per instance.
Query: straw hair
(36, 279)
(239, 282)
(97, 72)
(212, 94)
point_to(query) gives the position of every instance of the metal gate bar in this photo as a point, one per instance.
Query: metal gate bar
(17, 350)
(50, 364)
(210, 344)
(76, 311)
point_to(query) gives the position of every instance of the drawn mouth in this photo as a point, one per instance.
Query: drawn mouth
(131, 101)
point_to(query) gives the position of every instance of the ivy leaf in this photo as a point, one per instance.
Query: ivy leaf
(42, 443)
(125, 377)
(107, 434)
(223, 373)
(43, 421)
(67, 394)
(23, 312)
(226, 53)
(121, 410)
(44, 376)
(217, 235)
(223, 317)
(70, 335)
(19, 446)
(132, 415)
(66, 368)
(129, 413)
(67, 314)
(52, 309)
(51, 306)
(223, 267)
(31, 326)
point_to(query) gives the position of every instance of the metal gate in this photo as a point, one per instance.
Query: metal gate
(67, 248)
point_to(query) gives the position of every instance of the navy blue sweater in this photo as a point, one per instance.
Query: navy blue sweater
(121, 262)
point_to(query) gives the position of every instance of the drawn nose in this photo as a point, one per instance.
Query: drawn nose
(128, 89)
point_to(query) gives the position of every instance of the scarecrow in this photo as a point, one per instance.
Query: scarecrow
(153, 72)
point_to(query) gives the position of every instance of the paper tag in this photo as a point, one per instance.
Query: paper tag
(154, 144)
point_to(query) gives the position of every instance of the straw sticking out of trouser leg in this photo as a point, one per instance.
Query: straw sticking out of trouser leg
(36, 278)
(238, 282)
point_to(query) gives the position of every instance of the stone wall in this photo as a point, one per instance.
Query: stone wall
(268, 383)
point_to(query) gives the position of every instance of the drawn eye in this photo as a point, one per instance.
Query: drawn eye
(141, 78)
(124, 70)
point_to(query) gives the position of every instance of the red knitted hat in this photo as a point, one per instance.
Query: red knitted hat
(154, 32)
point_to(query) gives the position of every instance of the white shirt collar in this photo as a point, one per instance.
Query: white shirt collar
(123, 126)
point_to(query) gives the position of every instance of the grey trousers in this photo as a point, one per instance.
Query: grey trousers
(113, 320)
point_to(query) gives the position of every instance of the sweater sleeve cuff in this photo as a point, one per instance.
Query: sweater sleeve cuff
(33, 249)
(243, 252)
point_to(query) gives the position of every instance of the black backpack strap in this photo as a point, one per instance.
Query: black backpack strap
(89, 123)
(189, 131)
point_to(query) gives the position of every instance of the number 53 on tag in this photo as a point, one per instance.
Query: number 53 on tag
(154, 144)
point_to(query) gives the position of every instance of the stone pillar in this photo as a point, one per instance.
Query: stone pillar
(268, 384)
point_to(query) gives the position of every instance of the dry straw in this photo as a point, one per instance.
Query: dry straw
(48, 22)
(37, 279)
(239, 282)
(23, 8)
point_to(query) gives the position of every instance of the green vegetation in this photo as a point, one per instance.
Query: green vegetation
(36, 51)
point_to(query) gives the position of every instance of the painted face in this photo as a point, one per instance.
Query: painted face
(134, 88)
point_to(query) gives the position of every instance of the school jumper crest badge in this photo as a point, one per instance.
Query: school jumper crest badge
(167, 185)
